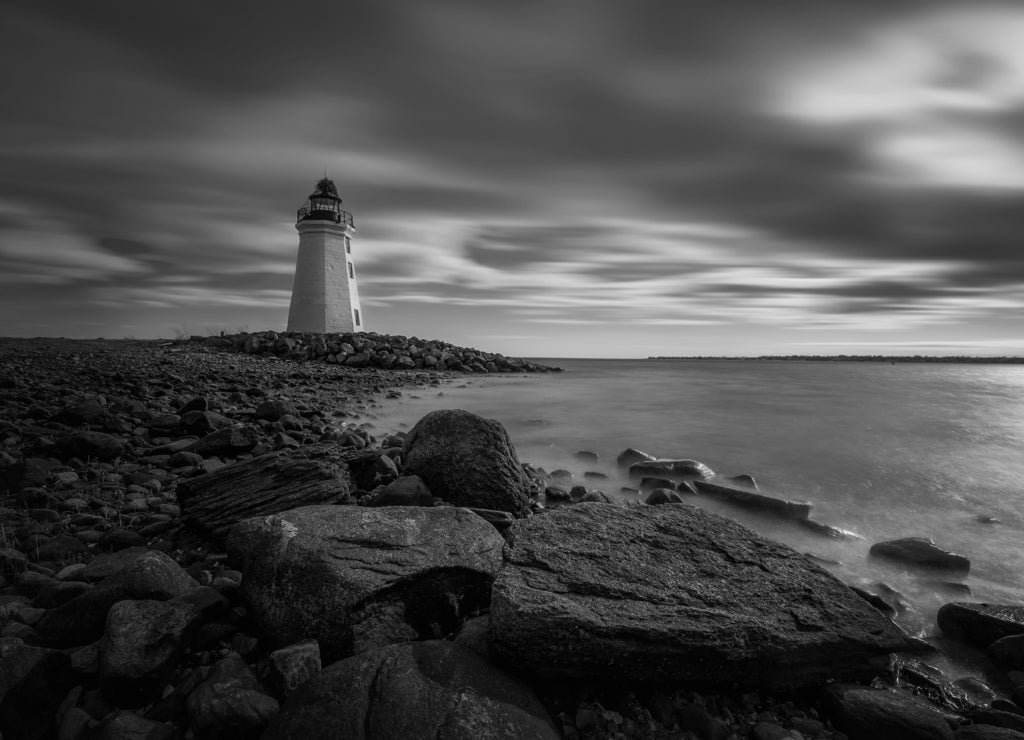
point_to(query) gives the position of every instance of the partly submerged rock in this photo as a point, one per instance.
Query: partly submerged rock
(675, 593)
(355, 578)
(672, 469)
(922, 552)
(468, 461)
(757, 501)
(426, 689)
(630, 455)
(980, 624)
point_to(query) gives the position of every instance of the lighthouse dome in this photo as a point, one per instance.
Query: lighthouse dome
(324, 204)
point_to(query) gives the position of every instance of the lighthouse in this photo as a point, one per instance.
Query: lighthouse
(324, 293)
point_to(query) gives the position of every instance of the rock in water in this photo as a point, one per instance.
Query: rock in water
(215, 502)
(468, 461)
(675, 593)
(422, 689)
(923, 552)
(355, 578)
(980, 624)
(757, 501)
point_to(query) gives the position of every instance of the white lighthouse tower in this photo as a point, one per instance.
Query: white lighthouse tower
(324, 293)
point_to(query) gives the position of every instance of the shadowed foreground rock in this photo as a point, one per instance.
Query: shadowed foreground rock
(215, 502)
(675, 593)
(354, 578)
(878, 714)
(468, 461)
(427, 689)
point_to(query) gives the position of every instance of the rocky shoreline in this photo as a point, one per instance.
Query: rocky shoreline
(209, 538)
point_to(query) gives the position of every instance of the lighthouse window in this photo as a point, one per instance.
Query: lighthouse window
(351, 272)
(357, 316)
(348, 245)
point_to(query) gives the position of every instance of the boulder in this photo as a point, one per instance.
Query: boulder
(676, 593)
(980, 624)
(273, 410)
(649, 484)
(86, 445)
(661, 496)
(228, 442)
(230, 702)
(424, 689)
(123, 725)
(675, 470)
(153, 575)
(354, 578)
(215, 502)
(757, 501)
(987, 732)
(467, 461)
(408, 490)
(999, 718)
(879, 714)
(109, 563)
(201, 423)
(1008, 651)
(922, 552)
(141, 646)
(630, 455)
(33, 683)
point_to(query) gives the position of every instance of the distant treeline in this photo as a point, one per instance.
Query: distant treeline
(863, 358)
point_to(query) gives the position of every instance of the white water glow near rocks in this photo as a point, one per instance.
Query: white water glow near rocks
(883, 450)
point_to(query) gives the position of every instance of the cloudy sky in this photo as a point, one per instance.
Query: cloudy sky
(574, 178)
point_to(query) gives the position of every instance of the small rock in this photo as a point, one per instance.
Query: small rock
(292, 666)
(921, 551)
(409, 490)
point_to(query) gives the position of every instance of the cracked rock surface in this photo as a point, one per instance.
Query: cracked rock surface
(354, 578)
(675, 593)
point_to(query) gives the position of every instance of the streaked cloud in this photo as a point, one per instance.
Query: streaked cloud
(658, 173)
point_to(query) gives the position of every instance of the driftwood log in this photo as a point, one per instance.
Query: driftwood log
(269, 484)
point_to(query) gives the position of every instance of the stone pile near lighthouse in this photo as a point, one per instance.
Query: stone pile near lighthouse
(369, 349)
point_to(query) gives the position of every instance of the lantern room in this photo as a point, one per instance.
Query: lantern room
(324, 205)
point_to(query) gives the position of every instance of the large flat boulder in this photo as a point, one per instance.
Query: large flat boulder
(354, 578)
(215, 502)
(676, 593)
(468, 461)
(426, 689)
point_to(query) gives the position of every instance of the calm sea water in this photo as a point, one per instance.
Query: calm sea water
(882, 450)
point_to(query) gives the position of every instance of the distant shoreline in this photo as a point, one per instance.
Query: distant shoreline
(950, 359)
